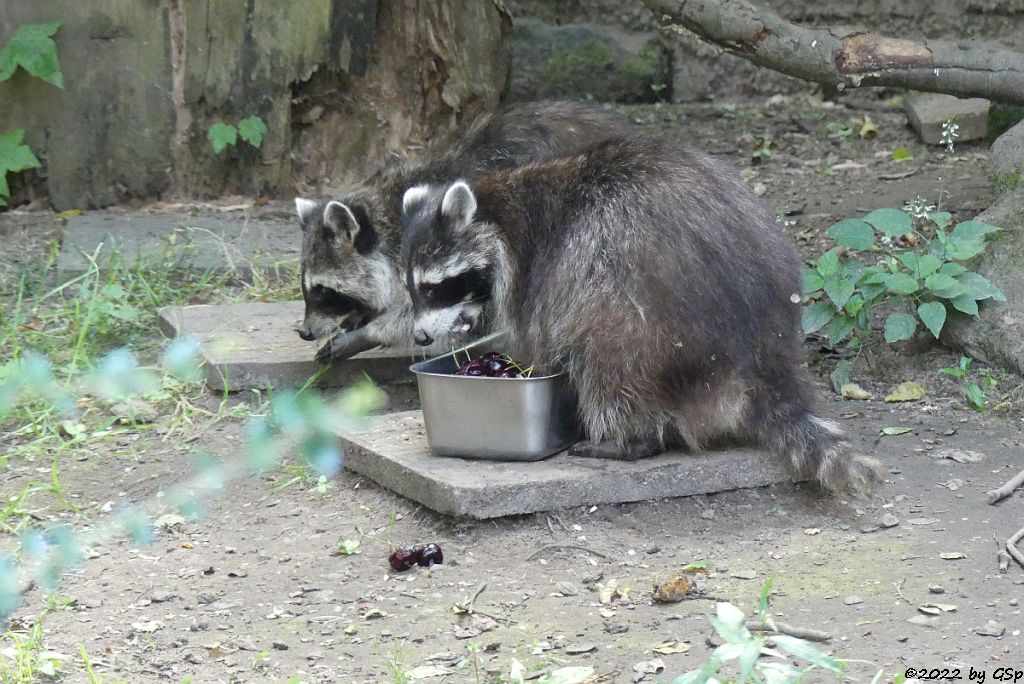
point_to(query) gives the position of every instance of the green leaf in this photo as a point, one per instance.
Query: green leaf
(828, 263)
(839, 290)
(940, 281)
(841, 375)
(920, 265)
(854, 304)
(901, 154)
(964, 248)
(221, 135)
(972, 230)
(14, 157)
(899, 327)
(980, 287)
(816, 315)
(891, 222)
(349, 547)
(950, 268)
(901, 283)
(252, 130)
(975, 395)
(933, 315)
(893, 431)
(965, 304)
(941, 218)
(766, 593)
(874, 275)
(806, 651)
(32, 48)
(812, 281)
(840, 328)
(852, 233)
(871, 292)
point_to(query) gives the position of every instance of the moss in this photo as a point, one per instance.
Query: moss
(1005, 182)
(1002, 118)
(596, 60)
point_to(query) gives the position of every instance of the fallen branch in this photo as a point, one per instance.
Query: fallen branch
(782, 628)
(1000, 493)
(1011, 547)
(468, 607)
(847, 59)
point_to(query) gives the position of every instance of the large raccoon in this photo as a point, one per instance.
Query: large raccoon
(654, 277)
(352, 278)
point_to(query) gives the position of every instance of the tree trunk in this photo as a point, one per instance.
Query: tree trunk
(341, 84)
(847, 59)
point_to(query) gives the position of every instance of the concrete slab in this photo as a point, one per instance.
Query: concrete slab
(255, 346)
(395, 455)
(198, 243)
(928, 111)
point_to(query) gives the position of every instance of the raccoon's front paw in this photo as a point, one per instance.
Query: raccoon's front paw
(633, 451)
(345, 345)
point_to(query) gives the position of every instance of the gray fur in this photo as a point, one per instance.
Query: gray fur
(656, 279)
(363, 264)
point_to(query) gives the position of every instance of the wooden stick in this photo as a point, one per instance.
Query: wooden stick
(1011, 547)
(997, 495)
(783, 628)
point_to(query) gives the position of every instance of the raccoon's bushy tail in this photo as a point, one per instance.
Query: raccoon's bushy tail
(816, 448)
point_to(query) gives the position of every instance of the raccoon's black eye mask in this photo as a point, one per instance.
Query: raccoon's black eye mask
(472, 284)
(338, 305)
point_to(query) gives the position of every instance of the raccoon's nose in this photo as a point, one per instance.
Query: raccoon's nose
(422, 338)
(306, 335)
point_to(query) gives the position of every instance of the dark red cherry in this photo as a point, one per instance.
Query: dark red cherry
(507, 373)
(404, 558)
(431, 555)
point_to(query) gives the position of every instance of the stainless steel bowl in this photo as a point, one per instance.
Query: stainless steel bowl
(503, 419)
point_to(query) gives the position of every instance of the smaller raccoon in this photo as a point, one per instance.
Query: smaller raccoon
(654, 277)
(352, 277)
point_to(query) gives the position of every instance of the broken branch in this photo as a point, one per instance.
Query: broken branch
(782, 628)
(848, 59)
(1011, 485)
(1011, 547)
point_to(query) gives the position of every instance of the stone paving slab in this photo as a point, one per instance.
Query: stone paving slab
(255, 346)
(199, 243)
(928, 111)
(394, 454)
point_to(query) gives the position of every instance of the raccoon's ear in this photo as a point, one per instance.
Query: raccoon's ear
(304, 208)
(413, 198)
(351, 224)
(459, 203)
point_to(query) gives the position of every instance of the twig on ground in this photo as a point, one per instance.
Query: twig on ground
(556, 547)
(1000, 493)
(468, 607)
(782, 628)
(899, 586)
(1011, 547)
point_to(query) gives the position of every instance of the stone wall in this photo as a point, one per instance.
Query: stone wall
(341, 85)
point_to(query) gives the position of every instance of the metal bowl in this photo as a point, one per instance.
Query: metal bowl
(503, 419)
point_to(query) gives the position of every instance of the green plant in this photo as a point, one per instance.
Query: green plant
(251, 130)
(921, 286)
(23, 656)
(975, 392)
(764, 149)
(31, 48)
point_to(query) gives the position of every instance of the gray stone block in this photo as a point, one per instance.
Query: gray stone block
(197, 243)
(255, 346)
(394, 454)
(928, 111)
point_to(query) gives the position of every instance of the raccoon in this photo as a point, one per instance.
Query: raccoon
(653, 277)
(352, 277)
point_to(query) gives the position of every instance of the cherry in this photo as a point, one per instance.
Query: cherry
(507, 373)
(431, 555)
(404, 558)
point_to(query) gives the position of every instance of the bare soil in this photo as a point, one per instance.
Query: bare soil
(255, 590)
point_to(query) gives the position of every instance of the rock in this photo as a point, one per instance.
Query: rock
(707, 514)
(936, 589)
(853, 600)
(744, 574)
(927, 113)
(924, 620)
(868, 529)
(991, 628)
(888, 520)
(161, 596)
(567, 589)
(279, 646)
(615, 628)
(587, 61)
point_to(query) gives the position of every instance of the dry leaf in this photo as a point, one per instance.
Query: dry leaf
(943, 607)
(649, 666)
(952, 555)
(670, 647)
(866, 128)
(960, 455)
(811, 531)
(427, 671)
(906, 391)
(891, 431)
(852, 390)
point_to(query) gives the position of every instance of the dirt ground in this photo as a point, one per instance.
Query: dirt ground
(256, 591)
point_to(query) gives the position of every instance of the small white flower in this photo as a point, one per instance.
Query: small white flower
(950, 132)
(918, 207)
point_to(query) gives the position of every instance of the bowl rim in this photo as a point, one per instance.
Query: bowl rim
(487, 339)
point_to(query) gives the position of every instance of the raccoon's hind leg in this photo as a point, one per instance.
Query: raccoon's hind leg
(631, 451)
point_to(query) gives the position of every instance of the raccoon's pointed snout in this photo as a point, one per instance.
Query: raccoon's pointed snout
(422, 338)
(305, 334)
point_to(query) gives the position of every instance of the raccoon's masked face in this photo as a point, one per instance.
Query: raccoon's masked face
(449, 266)
(345, 280)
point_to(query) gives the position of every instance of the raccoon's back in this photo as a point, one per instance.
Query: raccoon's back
(657, 252)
